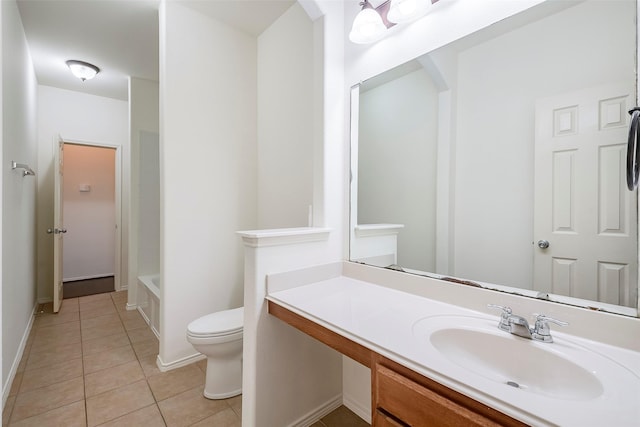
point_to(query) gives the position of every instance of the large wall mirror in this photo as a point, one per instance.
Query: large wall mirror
(499, 160)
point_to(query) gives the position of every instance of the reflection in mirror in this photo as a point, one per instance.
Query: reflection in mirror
(499, 159)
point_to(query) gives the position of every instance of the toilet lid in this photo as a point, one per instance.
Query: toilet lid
(224, 322)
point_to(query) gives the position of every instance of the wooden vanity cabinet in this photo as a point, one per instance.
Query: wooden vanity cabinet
(401, 397)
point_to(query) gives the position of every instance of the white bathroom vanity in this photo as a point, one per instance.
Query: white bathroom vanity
(432, 360)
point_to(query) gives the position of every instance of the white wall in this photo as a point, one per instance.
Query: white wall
(496, 127)
(2, 102)
(78, 117)
(144, 220)
(290, 355)
(149, 209)
(397, 153)
(207, 167)
(287, 375)
(89, 216)
(285, 121)
(18, 193)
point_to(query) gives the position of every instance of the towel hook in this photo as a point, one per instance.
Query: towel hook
(26, 170)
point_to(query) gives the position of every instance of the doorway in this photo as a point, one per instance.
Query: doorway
(90, 202)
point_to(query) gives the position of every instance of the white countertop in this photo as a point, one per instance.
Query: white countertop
(384, 319)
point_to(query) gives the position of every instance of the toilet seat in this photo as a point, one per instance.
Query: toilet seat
(219, 324)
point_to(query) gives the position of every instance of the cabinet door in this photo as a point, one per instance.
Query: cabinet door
(416, 405)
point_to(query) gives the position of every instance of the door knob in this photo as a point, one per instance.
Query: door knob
(543, 244)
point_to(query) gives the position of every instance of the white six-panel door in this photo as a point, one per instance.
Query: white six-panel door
(582, 206)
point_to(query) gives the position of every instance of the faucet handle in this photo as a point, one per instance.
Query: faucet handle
(541, 330)
(504, 317)
(506, 310)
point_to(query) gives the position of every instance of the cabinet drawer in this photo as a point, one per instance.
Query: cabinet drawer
(380, 419)
(416, 405)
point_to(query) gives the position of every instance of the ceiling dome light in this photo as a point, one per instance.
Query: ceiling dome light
(407, 10)
(82, 70)
(367, 26)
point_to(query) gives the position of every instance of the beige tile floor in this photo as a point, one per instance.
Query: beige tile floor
(93, 364)
(341, 417)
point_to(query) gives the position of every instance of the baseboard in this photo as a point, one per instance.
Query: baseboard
(142, 313)
(155, 331)
(131, 307)
(164, 367)
(357, 408)
(313, 416)
(95, 276)
(6, 387)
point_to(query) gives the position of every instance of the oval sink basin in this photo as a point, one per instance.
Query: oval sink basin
(476, 351)
(517, 363)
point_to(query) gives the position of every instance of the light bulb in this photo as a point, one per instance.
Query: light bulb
(407, 10)
(367, 27)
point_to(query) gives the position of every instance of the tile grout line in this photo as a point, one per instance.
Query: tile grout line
(84, 382)
(146, 378)
(32, 337)
(27, 355)
(110, 367)
(157, 402)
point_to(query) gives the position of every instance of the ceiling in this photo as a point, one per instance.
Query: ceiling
(118, 36)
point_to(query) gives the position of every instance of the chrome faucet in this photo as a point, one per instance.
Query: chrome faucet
(519, 326)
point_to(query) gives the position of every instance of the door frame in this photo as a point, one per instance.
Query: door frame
(117, 268)
(57, 230)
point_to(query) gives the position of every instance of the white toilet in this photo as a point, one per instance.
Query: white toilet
(219, 337)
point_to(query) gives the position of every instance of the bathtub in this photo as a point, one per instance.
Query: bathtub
(149, 301)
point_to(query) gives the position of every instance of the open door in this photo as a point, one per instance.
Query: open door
(58, 225)
(585, 224)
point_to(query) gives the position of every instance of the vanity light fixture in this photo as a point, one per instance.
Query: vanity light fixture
(371, 23)
(82, 70)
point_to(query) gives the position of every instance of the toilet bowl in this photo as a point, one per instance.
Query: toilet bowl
(219, 337)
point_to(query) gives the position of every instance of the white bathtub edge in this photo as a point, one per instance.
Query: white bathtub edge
(147, 281)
